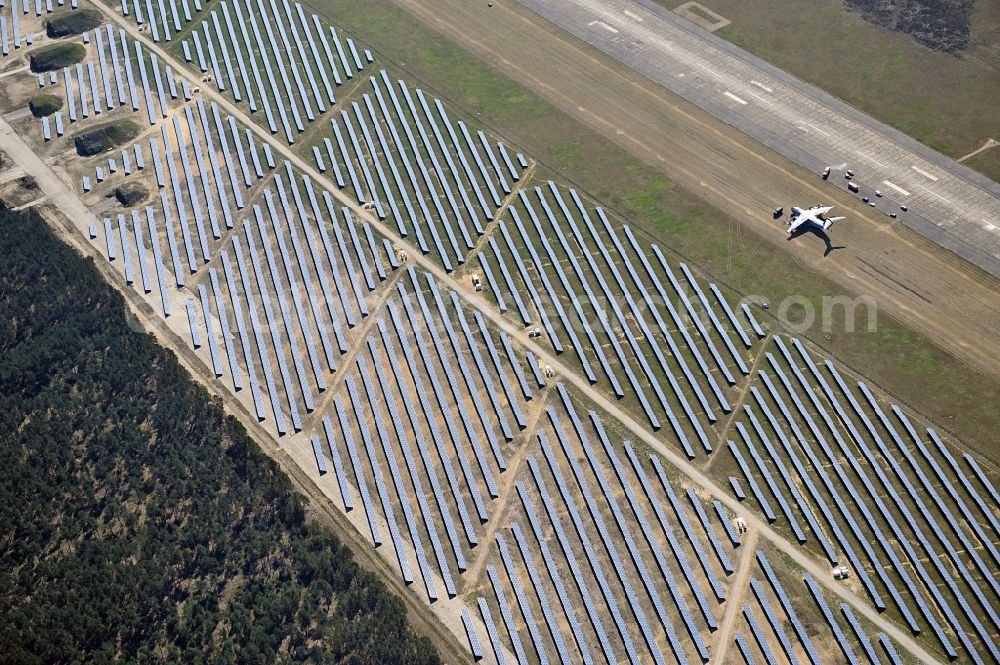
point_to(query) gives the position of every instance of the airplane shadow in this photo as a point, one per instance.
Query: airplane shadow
(819, 233)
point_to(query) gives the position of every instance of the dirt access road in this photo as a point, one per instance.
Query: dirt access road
(925, 287)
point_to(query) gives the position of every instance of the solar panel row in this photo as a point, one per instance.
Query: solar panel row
(637, 314)
(879, 503)
(620, 520)
(831, 619)
(244, 337)
(675, 317)
(831, 488)
(845, 483)
(777, 625)
(431, 414)
(376, 470)
(918, 532)
(506, 614)
(411, 465)
(692, 536)
(550, 565)
(491, 630)
(769, 479)
(786, 604)
(505, 385)
(522, 601)
(654, 544)
(458, 397)
(689, 574)
(575, 569)
(617, 562)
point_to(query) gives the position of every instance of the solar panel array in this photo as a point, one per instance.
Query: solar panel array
(565, 253)
(406, 159)
(107, 80)
(274, 57)
(162, 20)
(900, 499)
(424, 403)
(602, 595)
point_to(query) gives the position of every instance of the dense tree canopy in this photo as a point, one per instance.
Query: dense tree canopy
(139, 523)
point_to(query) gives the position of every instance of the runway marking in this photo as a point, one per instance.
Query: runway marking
(924, 173)
(604, 25)
(761, 86)
(816, 128)
(760, 99)
(896, 187)
(933, 193)
(633, 16)
(871, 159)
(734, 98)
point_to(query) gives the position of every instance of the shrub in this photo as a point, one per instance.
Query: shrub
(56, 56)
(98, 139)
(130, 194)
(43, 105)
(73, 23)
(942, 25)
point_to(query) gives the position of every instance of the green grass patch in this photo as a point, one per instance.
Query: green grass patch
(104, 137)
(56, 56)
(73, 23)
(43, 105)
(987, 162)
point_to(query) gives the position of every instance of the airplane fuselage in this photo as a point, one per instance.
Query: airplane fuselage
(811, 218)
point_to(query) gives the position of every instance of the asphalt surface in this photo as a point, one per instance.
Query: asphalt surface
(948, 203)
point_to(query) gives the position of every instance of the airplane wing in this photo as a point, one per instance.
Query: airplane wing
(804, 218)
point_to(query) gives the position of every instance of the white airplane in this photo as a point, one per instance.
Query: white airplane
(815, 217)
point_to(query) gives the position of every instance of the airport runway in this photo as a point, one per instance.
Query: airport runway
(948, 203)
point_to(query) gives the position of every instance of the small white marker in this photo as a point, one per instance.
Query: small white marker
(870, 159)
(924, 173)
(604, 25)
(933, 193)
(896, 187)
(633, 16)
(817, 129)
(760, 99)
(734, 98)
(761, 86)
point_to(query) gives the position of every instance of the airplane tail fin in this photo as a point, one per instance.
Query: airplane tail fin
(827, 223)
